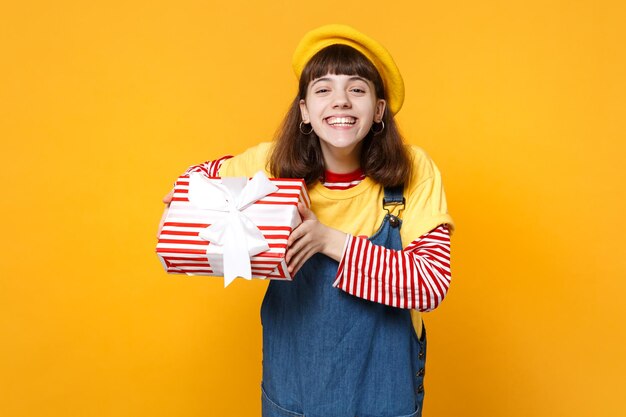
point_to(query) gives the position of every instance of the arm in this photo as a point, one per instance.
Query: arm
(417, 277)
(311, 237)
(208, 168)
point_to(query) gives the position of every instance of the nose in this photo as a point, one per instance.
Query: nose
(341, 100)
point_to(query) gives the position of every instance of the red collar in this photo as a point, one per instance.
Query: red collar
(333, 177)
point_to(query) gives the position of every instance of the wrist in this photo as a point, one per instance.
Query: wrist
(334, 243)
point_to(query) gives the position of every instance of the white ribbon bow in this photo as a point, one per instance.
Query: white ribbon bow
(235, 234)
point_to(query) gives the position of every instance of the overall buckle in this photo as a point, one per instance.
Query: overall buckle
(391, 206)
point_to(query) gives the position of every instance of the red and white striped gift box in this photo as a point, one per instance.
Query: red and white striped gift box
(182, 251)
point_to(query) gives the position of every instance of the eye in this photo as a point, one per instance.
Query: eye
(322, 90)
(358, 90)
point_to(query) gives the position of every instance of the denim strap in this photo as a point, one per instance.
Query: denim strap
(394, 195)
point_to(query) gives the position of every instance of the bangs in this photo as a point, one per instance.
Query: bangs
(340, 60)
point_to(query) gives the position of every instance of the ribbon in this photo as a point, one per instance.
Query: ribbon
(235, 236)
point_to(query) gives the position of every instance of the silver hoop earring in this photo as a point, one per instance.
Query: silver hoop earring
(376, 132)
(302, 131)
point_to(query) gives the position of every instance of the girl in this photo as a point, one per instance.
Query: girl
(345, 338)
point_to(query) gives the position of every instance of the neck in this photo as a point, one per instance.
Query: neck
(340, 160)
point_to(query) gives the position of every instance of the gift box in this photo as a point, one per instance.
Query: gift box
(230, 227)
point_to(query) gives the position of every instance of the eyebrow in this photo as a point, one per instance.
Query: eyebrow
(355, 78)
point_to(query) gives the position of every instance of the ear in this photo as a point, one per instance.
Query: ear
(381, 105)
(304, 112)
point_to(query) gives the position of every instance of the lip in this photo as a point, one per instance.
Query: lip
(356, 119)
(340, 115)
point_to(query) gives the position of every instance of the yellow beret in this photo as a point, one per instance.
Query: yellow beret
(318, 39)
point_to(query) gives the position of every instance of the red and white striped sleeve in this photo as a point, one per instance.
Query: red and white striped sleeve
(209, 168)
(417, 277)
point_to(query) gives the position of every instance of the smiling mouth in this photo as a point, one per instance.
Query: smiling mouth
(341, 121)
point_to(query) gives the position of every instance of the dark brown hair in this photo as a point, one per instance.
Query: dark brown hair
(384, 157)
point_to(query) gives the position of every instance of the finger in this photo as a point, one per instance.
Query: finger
(294, 247)
(296, 262)
(300, 260)
(168, 198)
(298, 233)
(161, 222)
(293, 267)
(293, 270)
(305, 212)
(299, 244)
(300, 256)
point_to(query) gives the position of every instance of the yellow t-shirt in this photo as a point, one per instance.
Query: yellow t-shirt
(358, 210)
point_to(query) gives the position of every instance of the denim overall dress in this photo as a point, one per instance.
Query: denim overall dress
(327, 353)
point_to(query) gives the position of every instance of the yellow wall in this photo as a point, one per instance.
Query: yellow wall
(103, 104)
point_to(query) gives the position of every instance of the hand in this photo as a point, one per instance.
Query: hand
(311, 237)
(167, 200)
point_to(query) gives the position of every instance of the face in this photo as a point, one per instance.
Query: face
(341, 110)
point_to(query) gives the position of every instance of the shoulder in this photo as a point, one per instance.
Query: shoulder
(249, 162)
(260, 151)
(423, 167)
(426, 204)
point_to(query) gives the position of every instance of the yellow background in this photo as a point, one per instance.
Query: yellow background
(103, 104)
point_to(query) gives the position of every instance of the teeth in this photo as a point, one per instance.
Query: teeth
(341, 121)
